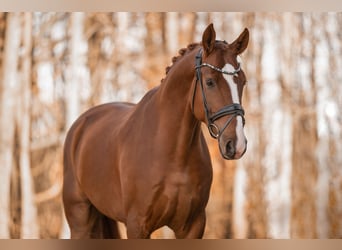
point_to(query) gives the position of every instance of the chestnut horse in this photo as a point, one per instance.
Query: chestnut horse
(147, 164)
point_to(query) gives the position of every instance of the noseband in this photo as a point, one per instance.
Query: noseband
(233, 110)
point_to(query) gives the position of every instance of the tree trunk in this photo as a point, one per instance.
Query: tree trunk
(172, 32)
(8, 93)
(97, 64)
(73, 87)
(220, 205)
(29, 221)
(304, 141)
(154, 49)
(187, 28)
(256, 203)
(330, 179)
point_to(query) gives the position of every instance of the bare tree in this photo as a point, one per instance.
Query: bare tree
(9, 83)
(73, 87)
(99, 27)
(154, 48)
(330, 142)
(29, 221)
(304, 138)
(255, 204)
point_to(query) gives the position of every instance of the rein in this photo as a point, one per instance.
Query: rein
(233, 110)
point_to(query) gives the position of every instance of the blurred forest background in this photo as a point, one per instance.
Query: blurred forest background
(54, 66)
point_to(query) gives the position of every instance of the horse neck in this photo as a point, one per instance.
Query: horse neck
(175, 96)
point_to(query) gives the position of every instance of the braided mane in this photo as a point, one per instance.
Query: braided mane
(181, 52)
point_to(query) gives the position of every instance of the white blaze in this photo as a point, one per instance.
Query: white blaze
(241, 139)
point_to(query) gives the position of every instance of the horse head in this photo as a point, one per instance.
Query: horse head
(217, 99)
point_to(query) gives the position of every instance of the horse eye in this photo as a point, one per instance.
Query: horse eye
(210, 82)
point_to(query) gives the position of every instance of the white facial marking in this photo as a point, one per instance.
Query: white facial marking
(232, 85)
(240, 135)
(241, 138)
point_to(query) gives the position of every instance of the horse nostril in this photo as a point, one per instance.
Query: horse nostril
(230, 149)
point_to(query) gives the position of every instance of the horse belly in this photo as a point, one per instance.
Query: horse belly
(105, 194)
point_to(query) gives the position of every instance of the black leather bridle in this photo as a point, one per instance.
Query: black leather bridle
(233, 110)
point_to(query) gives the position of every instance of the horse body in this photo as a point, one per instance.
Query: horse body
(146, 165)
(162, 181)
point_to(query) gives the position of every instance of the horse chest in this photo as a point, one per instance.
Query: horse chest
(185, 191)
(180, 197)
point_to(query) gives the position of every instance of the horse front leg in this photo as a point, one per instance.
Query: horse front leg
(193, 231)
(137, 228)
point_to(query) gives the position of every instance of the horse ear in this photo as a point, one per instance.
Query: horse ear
(240, 44)
(208, 39)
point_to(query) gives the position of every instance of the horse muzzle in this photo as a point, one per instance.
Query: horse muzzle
(232, 149)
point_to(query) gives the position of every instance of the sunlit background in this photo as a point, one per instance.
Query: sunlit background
(54, 66)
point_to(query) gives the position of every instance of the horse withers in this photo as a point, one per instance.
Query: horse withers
(147, 165)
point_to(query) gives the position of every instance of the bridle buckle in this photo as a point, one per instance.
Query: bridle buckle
(213, 130)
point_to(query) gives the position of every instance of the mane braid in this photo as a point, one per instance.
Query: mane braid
(181, 52)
